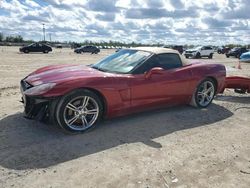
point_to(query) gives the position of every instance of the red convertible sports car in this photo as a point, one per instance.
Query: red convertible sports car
(76, 97)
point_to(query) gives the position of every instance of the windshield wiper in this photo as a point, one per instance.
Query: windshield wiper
(98, 68)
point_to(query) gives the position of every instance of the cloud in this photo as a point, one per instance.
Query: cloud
(155, 13)
(146, 21)
(108, 17)
(178, 4)
(214, 23)
(102, 6)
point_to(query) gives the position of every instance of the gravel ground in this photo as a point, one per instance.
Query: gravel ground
(174, 147)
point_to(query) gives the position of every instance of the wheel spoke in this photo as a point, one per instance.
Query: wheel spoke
(85, 101)
(84, 121)
(202, 100)
(209, 90)
(71, 107)
(92, 111)
(208, 98)
(200, 93)
(71, 121)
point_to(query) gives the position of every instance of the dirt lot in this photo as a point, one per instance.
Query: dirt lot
(176, 147)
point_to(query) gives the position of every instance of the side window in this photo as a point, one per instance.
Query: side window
(147, 65)
(169, 61)
(208, 48)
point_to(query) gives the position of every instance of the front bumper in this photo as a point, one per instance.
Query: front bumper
(189, 54)
(35, 107)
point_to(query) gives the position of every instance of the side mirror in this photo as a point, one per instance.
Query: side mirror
(155, 70)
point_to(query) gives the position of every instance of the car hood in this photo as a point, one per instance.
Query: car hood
(62, 73)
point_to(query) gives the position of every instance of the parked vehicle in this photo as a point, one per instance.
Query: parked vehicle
(236, 52)
(87, 49)
(245, 57)
(178, 48)
(199, 52)
(36, 47)
(223, 50)
(77, 97)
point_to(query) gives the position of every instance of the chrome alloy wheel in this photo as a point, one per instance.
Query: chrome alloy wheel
(81, 113)
(205, 93)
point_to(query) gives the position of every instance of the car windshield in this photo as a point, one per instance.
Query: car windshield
(122, 61)
(195, 48)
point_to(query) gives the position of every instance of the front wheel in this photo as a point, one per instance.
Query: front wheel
(79, 111)
(198, 55)
(204, 94)
(210, 56)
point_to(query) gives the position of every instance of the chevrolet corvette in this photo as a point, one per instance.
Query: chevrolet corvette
(77, 97)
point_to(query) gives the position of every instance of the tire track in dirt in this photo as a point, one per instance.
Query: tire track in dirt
(8, 91)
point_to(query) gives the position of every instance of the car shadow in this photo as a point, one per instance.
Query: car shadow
(27, 144)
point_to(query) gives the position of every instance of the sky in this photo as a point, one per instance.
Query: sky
(210, 22)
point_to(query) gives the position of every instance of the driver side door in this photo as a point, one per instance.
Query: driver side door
(169, 87)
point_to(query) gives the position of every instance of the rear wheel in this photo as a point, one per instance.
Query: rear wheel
(210, 56)
(45, 51)
(26, 51)
(204, 94)
(79, 111)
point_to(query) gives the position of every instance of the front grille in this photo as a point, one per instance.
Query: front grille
(25, 85)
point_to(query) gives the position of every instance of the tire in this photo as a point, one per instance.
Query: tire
(26, 51)
(45, 51)
(227, 56)
(79, 111)
(186, 56)
(210, 56)
(198, 55)
(202, 98)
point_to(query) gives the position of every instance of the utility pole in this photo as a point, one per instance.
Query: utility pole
(50, 37)
(43, 33)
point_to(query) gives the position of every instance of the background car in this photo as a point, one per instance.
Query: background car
(36, 47)
(223, 50)
(245, 57)
(179, 48)
(199, 52)
(236, 52)
(87, 49)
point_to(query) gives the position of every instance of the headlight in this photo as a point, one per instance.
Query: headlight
(40, 89)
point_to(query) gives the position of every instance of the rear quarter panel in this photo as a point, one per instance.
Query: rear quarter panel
(200, 71)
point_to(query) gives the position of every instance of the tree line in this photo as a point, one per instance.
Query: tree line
(16, 39)
(19, 39)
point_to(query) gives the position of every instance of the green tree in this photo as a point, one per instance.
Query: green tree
(18, 38)
(1, 37)
(9, 39)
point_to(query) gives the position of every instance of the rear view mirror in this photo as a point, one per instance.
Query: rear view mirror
(155, 70)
